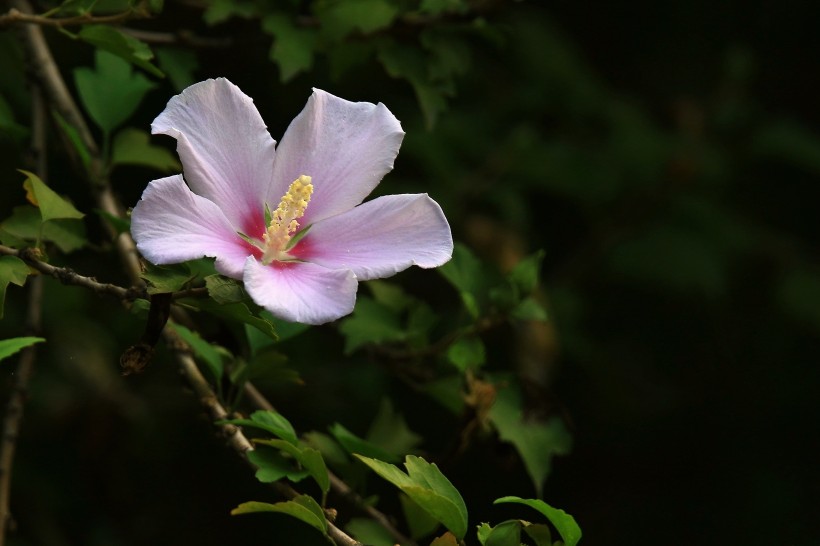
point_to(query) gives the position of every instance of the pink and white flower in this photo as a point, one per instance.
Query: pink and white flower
(289, 220)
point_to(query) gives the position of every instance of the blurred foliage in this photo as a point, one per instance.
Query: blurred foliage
(664, 155)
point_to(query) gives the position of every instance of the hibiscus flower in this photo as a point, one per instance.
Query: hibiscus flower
(289, 220)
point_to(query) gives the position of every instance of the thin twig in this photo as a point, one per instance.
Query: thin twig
(14, 16)
(179, 37)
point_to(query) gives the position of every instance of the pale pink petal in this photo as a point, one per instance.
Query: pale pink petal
(381, 237)
(345, 147)
(301, 291)
(171, 224)
(226, 151)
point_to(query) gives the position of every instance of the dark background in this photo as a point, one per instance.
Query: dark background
(664, 155)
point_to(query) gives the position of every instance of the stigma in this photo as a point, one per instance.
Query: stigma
(283, 223)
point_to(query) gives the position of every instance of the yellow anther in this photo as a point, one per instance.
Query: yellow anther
(284, 220)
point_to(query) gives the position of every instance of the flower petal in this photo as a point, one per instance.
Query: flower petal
(171, 224)
(225, 148)
(300, 291)
(345, 147)
(382, 237)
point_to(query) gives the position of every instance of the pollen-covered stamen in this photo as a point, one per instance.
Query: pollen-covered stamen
(284, 220)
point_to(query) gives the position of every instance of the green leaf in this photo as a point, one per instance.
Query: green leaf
(166, 278)
(8, 123)
(73, 7)
(330, 449)
(564, 523)
(111, 92)
(507, 533)
(428, 487)
(339, 18)
(26, 223)
(437, 7)
(526, 273)
(292, 47)
(370, 322)
(536, 441)
(233, 311)
(467, 353)
(221, 10)
(390, 432)
(224, 290)
(482, 532)
(465, 272)
(308, 457)
(419, 521)
(369, 532)
(13, 270)
(529, 309)
(211, 355)
(179, 65)
(121, 225)
(133, 147)
(354, 444)
(126, 47)
(303, 508)
(271, 421)
(539, 533)
(10, 346)
(51, 205)
(272, 466)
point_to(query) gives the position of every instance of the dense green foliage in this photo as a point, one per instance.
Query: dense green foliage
(626, 330)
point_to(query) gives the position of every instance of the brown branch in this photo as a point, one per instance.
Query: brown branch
(16, 16)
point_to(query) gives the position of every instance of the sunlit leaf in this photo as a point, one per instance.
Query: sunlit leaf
(428, 487)
(10, 346)
(303, 508)
(507, 533)
(51, 205)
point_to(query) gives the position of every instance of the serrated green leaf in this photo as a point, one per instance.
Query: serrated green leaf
(507, 533)
(224, 290)
(536, 441)
(354, 444)
(303, 508)
(209, 354)
(467, 353)
(271, 421)
(465, 272)
(9, 347)
(428, 487)
(110, 92)
(166, 278)
(292, 47)
(272, 466)
(482, 532)
(308, 457)
(74, 137)
(50, 204)
(133, 147)
(564, 523)
(221, 10)
(126, 47)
